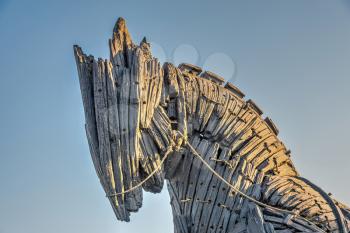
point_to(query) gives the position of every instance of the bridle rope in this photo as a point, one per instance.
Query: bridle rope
(160, 165)
(174, 146)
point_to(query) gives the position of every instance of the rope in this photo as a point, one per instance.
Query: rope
(170, 149)
(167, 152)
(337, 213)
(245, 195)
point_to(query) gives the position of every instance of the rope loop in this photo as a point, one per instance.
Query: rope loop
(160, 165)
(180, 140)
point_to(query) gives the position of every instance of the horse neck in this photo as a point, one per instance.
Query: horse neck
(234, 140)
(219, 120)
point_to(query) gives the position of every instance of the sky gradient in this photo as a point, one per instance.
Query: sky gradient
(291, 57)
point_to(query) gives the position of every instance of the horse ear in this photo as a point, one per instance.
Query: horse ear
(121, 33)
(121, 44)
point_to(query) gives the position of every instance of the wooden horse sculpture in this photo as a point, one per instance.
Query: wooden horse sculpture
(225, 167)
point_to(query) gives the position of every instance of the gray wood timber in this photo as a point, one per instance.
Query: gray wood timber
(136, 109)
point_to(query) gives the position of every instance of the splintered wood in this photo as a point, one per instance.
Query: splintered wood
(136, 109)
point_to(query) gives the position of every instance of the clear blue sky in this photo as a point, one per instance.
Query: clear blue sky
(291, 57)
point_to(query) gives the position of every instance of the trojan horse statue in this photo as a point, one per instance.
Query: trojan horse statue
(225, 168)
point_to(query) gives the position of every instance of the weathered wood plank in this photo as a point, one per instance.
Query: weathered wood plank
(135, 110)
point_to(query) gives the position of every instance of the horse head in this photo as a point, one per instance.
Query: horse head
(126, 133)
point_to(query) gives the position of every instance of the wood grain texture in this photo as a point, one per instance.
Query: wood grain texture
(135, 110)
